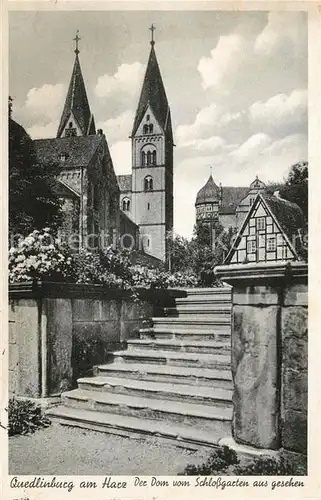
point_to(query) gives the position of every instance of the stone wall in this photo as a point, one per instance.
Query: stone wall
(269, 354)
(294, 327)
(57, 332)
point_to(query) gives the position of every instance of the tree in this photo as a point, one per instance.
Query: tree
(33, 203)
(209, 248)
(295, 188)
(179, 254)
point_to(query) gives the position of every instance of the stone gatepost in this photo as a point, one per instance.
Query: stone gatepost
(269, 354)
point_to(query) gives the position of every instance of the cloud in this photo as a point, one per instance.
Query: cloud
(46, 102)
(281, 113)
(282, 33)
(126, 80)
(119, 128)
(121, 155)
(39, 131)
(225, 61)
(251, 147)
(205, 118)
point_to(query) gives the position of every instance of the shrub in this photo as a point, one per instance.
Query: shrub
(40, 257)
(218, 461)
(225, 461)
(25, 417)
(267, 466)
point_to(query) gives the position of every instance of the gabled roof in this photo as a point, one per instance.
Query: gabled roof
(287, 215)
(153, 94)
(209, 193)
(231, 197)
(125, 182)
(77, 103)
(78, 150)
(61, 189)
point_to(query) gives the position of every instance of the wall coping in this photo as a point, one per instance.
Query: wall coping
(41, 289)
(263, 273)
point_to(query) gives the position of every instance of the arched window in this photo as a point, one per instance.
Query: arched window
(148, 183)
(146, 128)
(148, 155)
(151, 127)
(148, 117)
(126, 205)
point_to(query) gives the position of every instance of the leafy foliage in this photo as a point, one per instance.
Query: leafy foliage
(266, 466)
(25, 417)
(295, 188)
(40, 257)
(207, 249)
(218, 461)
(33, 203)
(225, 461)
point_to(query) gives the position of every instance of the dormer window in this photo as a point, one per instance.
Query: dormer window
(63, 156)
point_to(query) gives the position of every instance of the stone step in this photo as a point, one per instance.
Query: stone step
(167, 373)
(208, 292)
(192, 324)
(150, 430)
(206, 346)
(203, 310)
(183, 334)
(197, 415)
(173, 358)
(158, 390)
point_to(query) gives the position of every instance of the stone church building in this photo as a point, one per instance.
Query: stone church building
(101, 208)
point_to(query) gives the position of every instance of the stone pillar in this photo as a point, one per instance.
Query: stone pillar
(264, 369)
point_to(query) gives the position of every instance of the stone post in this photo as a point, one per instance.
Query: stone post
(269, 336)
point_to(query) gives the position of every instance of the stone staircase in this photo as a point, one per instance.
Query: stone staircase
(174, 382)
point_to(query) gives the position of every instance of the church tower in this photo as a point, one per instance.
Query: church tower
(152, 161)
(76, 118)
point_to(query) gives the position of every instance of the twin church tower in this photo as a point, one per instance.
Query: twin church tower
(139, 204)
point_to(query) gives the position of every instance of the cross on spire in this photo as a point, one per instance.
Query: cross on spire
(76, 39)
(152, 29)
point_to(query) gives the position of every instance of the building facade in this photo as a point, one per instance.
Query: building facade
(136, 209)
(228, 204)
(147, 193)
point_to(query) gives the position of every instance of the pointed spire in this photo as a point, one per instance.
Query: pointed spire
(76, 103)
(153, 93)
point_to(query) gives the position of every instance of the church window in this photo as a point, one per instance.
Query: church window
(151, 128)
(148, 118)
(260, 223)
(146, 129)
(148, 155)
(126, 205)
(148, 206)
(148, 183)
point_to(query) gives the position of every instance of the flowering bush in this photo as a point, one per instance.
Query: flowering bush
(38, 256)
(143, 277)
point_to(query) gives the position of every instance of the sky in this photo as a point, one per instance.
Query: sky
(236, 83)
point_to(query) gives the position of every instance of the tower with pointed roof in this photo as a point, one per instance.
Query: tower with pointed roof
(152, 161)
(76, 118)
